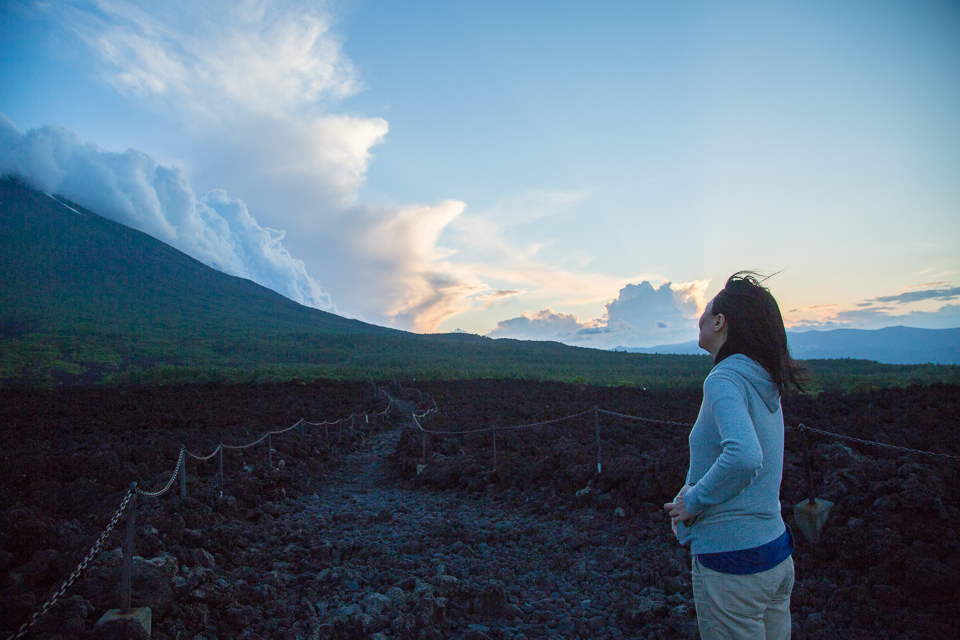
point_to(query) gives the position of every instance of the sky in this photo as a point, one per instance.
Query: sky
(584, 172)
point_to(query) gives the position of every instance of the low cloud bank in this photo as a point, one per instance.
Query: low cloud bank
(641, 316)
(131, 188)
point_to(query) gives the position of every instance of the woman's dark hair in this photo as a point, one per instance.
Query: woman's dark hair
(755, 328)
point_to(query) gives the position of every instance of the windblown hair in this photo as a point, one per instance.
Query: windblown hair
(755, 329)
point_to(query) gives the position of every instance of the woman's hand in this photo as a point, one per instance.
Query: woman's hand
(677, 509)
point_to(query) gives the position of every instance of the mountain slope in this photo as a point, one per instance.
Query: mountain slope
(85, 299)
(61, 261)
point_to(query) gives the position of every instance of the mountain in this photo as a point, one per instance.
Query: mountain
(62, 261)
(84, 300)
(892, 345)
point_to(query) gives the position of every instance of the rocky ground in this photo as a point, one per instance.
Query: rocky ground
(340, 537)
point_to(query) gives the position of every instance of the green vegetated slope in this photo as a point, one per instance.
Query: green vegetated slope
(86, 300)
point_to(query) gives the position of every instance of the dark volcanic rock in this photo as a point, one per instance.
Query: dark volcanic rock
(345, 539)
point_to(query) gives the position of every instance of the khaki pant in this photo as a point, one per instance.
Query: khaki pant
(751, 607)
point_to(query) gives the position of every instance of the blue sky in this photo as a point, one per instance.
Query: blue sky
(584, 172)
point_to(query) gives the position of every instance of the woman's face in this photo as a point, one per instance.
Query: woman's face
(713, 330)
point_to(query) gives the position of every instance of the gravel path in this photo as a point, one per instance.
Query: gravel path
(423, 564)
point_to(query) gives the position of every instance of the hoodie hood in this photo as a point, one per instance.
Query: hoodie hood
(757, 376)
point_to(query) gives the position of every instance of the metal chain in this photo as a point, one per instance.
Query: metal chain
(483, 429)
(205, 458)
(624, 415)
(76, 572)
(290, 428)
(879, 444)
(173, 477)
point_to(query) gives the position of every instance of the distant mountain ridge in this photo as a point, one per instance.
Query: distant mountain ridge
(85, 300)
(891, 345)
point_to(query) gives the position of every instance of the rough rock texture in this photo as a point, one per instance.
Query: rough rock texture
(346, 540)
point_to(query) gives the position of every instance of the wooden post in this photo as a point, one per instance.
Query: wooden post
(340, 429)
(326, 434)
(220, 467)
(126, 574)
(423, 446)
(366, 417)
(494, 448)
(270, 449)
(596, 422)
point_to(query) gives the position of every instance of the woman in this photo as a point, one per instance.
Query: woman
(729, 510)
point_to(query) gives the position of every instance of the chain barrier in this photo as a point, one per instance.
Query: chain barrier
(668, 422)
(486, 429)
(94, 550)
(878, 444)
(181, 459)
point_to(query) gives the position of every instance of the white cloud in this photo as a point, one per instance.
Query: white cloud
(253, 81)
(402, 273)
(539, 325)
(215, 58)
(131, 188)
(641, 316)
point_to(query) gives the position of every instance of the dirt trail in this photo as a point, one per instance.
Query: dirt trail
(421, 563)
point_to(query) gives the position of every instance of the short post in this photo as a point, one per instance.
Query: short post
(423, 452)
(808, 474)
(366, 417)
(810, 514)
(326, 434)
(220, 467)
(126, 575)
(596, 425)
(183, 474)
(494, 448)
(270, 449)
(340, 430)
(140, 615)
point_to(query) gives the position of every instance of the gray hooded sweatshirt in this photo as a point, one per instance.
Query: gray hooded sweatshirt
(736, 461)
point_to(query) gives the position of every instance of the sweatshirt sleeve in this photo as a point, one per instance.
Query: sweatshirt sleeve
(740, 458)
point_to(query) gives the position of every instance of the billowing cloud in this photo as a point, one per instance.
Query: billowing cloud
(218, 59)
(539, 325)
(131, 188)
(404, 277)
(641, 316)
(253, 82)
